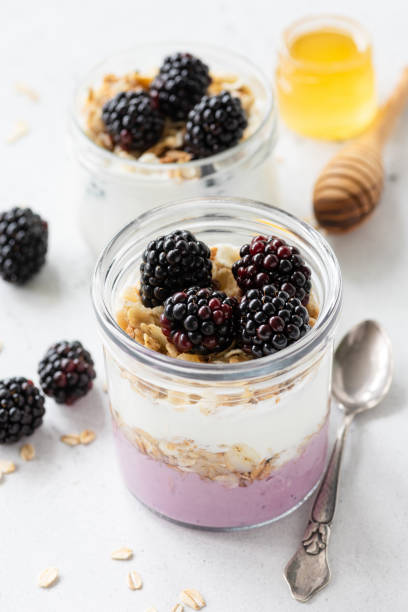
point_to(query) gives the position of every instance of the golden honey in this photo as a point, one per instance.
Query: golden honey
(325, 78)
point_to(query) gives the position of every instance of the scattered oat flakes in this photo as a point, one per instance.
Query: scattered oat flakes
(104, 387)
(134, 581)
(122, 554)
(26, 90)
(192, 598)
(87, 436)
(7, 467)
(178, 608)
(20, 130)
(71, 439)
(48, 577)
(27, 452)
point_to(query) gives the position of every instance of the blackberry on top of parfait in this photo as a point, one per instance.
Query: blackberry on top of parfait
(180, 111)
(219, 304)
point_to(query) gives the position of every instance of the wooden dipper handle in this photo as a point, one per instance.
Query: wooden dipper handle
(350, 186)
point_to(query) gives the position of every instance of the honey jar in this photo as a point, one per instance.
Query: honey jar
(325, 78)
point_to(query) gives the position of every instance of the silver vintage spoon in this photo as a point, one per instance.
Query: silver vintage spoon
(362, 372)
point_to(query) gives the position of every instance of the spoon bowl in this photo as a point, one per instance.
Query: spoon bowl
(362, 367)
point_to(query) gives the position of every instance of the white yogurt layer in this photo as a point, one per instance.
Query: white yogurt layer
(276, 425)
(107, 203)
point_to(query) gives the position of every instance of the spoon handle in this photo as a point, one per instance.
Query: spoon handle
(308, 570)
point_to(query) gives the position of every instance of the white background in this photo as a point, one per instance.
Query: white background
(68, 508)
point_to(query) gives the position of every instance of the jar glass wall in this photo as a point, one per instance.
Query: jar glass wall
(111, 191)
(219, 445)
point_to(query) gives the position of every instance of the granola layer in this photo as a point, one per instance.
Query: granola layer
(235, 465)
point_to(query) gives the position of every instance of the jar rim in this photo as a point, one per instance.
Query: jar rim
(256, 368)
(349, 24)
(105, 154)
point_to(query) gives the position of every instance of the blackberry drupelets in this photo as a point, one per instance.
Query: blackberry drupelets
(21, 409)
(271, 260)
(182, 81)
(132, 121)
(66, 372)
(270, 320)
(171, 263)
(23, 244)
(215, 124)
(199, 320)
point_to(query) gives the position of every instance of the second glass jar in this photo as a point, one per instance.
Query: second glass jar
(110, 191)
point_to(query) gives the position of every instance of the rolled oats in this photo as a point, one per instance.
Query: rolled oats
(87, 436)
(192, 598)
(7, 467)
(20, 129)
(134, 581)
(178, 608)
(26, 90)
(122, 554)
(71, 439)
(48, 577)
(27, 452)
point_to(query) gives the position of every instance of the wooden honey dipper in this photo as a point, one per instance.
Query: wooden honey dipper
(350, 185)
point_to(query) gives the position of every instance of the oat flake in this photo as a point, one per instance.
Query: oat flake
(26, 90)
(122, 554)
(192, 598)
(87, 436)
(27, 452)
(178, 608)
(134, 581)
(71, 439)
(47, 577)
(7, 467)
(19, 130)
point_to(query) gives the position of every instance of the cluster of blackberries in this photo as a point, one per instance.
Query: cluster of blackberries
(66, 374)
(271, 315)
(135, 119)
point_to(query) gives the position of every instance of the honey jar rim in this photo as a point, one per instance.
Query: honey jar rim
(350, 26)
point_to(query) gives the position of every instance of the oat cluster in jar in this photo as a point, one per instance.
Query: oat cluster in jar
(218, 356)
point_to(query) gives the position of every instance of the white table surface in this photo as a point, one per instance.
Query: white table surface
(68, 508)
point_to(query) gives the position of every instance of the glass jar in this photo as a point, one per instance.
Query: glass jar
(325, 78)
(111, 191)
(219, 445)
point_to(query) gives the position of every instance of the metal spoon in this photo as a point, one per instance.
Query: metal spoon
(362, 373)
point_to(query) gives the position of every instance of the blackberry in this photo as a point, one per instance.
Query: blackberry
(132, 121)
(215, 124)
(172, 263)
(199, 320)
(66, 372)
(182, 81)
(21, 409)
(271, 260)
(23, 244)
(270, 320)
